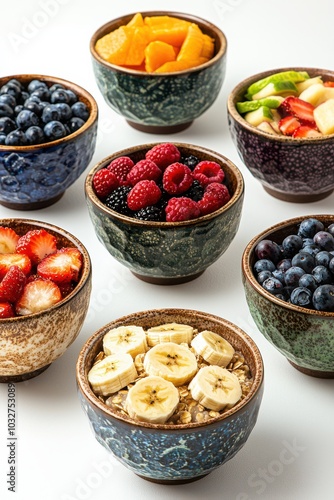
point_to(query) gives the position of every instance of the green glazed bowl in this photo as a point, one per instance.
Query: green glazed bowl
(168, 252)
(305, 337)
(165, 102)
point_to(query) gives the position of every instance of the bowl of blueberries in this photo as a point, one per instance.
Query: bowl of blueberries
(48, 129)
(288, 278)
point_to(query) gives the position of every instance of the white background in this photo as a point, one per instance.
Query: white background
(289, 455)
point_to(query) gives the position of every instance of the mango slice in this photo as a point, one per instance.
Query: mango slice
(158, 53)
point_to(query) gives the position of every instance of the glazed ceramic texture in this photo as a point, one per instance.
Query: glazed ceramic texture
(290, 169)
(161, 103)
(34, 177)
(164, 453)
(305, 337)
(168, 253)
(30, 343)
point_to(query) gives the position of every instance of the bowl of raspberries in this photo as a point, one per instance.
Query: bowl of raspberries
(48, 129)
(166, 210)
(288, 277)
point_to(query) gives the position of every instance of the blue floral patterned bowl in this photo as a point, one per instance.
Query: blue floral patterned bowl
(168, 252)
(36, 176)
(166, 102)
(173, 453)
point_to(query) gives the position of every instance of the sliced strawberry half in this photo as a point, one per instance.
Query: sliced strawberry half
(302, 110)
(37, 244)
(306, 131)
(8, 239)
(14, 259)
(328, 84)
(288, 125)
(12, 284)
(62, 267)
(6, 310)
(38, 295)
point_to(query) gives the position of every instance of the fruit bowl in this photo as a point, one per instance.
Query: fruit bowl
(160, 102)
(293, 169)
(173, 453)
(29, 343)
(36, 169)
(304, 336)
(168, 252)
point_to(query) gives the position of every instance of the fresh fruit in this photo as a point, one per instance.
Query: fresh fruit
(213, 348)
(62, 266)
(143, 194)
(208, 171)
(143, 170)
(121, 167)
(112, 373)
(324, 117)
(288, 125)
(6, 310)
(12, 284)
(14, 259)
(104, 182)
(291, 76)
(215, 196)
(152, 399)
(177, 178)
(163, 154)
(37, 244)
(269, 102)
(281, 88)
(181, 209)
(169, 332)
(38, 295)
(129, 339)
(118, 200)
(158, 53)
(215, 388)
(262, 114)
(302, 110)
(8, 240)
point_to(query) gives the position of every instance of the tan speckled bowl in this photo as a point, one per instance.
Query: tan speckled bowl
(29, 344)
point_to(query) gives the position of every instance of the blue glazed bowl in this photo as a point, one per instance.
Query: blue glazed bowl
(290, 169)
(166, 102)
(170, 454)
(36, 176)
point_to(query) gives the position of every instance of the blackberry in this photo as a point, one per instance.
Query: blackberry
(150, 213)
(190, 161)
(117, 200)
(195, 192)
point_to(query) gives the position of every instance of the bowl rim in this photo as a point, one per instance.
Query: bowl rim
(80, 91)
(188, 17)
(85, 272)
(241, 87)
(93, 198)
(84, 387)
(250, 277)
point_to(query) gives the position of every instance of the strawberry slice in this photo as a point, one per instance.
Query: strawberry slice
(6, 310)
(14, 259)
(8, 239)
(288, 125)
(306, 131)
(12, 284)
(328, 84)
(38, 295)
(62, 266)
(302, 110)
(37, 244)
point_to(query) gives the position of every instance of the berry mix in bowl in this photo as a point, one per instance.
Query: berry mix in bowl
(165, 210)
(48, 132)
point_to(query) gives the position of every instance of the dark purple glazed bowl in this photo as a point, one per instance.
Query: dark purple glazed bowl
(290, 169)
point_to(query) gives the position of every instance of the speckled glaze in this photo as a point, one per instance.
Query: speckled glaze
(29, 344)
(172, 454)
(167, 252)
(305, 337)
(294, 170)
(34, 177)
(161, 103)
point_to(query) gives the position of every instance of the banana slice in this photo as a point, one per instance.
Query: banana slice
(213, 348)
(129, 339)
(152, 399)
(170, 332)
(215, 388)
(112, 373)
(173, 362)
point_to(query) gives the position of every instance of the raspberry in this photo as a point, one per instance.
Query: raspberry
(177, 178)
(104, 182)
(208, 171)
(182, 208)
(163, 154)
(121, 166)
(143, 194)
(117, 200)
(215, 196)
(143, 170)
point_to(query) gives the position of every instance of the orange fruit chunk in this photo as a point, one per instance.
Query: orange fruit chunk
(124, 46)
(180, 65)
(136, 21)
(208, 48)
(192, 45)
(158, 53)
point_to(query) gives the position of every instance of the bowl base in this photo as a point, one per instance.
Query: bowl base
(31, 206)
(24, 376)
(297, 198)
(167, 281)
(312, 373)
(172, 481)
(156, 129)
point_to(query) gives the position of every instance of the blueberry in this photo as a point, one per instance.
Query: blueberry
(301, 296)
(56, 86)
(50, 113)
(322, 258)
(273, 285)
(293, 275)
(59, 95)
(14, 81)
(307, 242)
(64, 110)
(6, 110)
(80, 110)
(26, 119)
(7, 125)
(330, 229)
(23, 97)
(18, 109)
(72, 96)
(8, 99)
(32, 105)
(35, 135)
(43, 93)
(10, 88)
(16, 138)
(3, 138)
(304, 260)
(308, 281)
(312, 249)
(267, 249)
(308, 227)
(54, 130)
(263, 275)
(284, 264)
(324, 240)
(291, 245)
(264, 265)
(279, 274)
(331, 266)
(75, 123)
(322, 275)
(323, 298)
(35, 84)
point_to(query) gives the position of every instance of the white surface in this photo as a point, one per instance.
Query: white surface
(57, 456)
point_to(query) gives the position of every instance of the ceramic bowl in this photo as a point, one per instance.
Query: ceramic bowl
(165, 102)
(290, 169)
(168, 252)
(30, 343)
(37, 176)
(172, 453)
(304, 336)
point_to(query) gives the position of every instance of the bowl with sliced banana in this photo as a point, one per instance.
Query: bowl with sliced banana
(173, 394)
(282, 124)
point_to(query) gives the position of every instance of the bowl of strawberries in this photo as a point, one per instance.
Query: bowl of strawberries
(167, 211)
(45, 286)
